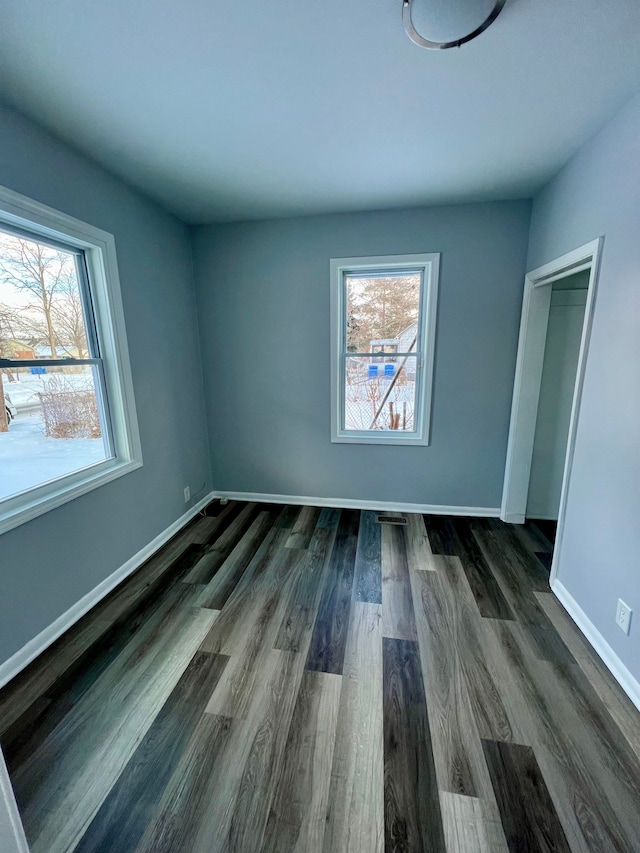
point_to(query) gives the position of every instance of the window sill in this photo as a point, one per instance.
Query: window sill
(17, 510)
(383, 437)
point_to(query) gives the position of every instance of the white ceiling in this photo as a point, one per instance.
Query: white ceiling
(243, 109)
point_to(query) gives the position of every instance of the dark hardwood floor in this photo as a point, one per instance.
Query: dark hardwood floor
(301, 679)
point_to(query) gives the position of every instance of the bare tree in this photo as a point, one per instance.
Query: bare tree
(15, 327)
(53, 311)
(68, 318)
(38, 270)
(7, 321)
(4, 421)
(6, 329)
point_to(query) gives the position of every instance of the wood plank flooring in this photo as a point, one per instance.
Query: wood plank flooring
(283, 679)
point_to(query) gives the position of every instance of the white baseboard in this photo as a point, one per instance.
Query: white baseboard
(625, 679)
(18, 661)
(349, 503)
(513, 518)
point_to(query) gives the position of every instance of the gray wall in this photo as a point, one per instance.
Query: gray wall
(47, 564)
(598, 193)
(263, 300)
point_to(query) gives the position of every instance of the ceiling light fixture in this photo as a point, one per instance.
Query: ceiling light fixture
(467, 12)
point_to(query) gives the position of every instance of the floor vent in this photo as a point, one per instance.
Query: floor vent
(391, 519)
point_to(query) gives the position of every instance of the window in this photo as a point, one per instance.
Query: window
(383, 314)
(67, 414)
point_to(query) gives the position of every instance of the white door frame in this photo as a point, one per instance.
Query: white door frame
(526, 389)
(12, 837)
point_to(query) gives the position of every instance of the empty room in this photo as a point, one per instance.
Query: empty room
(320, 426)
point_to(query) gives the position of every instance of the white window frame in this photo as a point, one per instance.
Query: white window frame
(428, 266)
(99, 249)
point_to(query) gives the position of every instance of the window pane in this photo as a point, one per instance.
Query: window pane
(382, 312)
(380, 396)
(55, 425)
(41, 310)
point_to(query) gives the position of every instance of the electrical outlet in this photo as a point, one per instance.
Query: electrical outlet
(623, 616)
(187, 495)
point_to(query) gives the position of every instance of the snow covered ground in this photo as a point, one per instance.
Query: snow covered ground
(24, 393)
(28, 458)
(364, 397)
